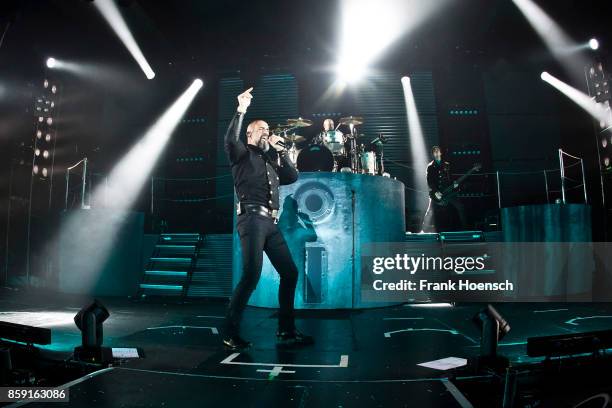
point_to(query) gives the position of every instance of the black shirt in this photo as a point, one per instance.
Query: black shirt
(438, 176)
(257, 174)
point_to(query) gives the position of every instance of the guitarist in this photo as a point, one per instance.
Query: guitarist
(438, 180)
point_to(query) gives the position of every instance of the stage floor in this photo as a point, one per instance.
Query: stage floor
(361, 358)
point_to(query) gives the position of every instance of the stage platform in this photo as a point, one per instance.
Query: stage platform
(361, 358)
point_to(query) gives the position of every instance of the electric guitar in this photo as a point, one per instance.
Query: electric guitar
(450, 192)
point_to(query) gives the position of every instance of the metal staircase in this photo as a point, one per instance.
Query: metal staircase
(189, 265)
(170, 266)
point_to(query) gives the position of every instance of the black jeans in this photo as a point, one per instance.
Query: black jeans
(259, 233)
(443, 217)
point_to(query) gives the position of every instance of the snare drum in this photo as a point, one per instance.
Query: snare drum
(368, 163)
(334, 140)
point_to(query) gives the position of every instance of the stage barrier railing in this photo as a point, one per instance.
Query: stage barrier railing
(83, 182)
(195, 192)
(564, 178)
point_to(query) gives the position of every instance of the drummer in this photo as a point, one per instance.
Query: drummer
(328, 124)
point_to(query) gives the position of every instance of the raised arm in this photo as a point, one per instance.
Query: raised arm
(234, 147)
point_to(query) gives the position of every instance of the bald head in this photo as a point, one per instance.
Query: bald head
(257, 134)
(328, 124)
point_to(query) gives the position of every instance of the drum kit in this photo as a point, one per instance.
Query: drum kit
(333, 150)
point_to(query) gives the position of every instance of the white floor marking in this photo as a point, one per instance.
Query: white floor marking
(276, 371)
(212, 329)
(342, 364)
(389, 334)
(549, 310)
(459, 397)
(404, 318)
(571, 321)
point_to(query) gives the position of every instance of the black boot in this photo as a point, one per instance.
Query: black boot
(293, 338)
(236, 343)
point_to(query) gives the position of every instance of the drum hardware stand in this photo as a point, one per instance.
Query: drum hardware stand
(354, 156)
(381, 139)
(292, 149)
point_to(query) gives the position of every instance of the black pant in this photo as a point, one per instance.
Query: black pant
(259, 233)
(443, 217)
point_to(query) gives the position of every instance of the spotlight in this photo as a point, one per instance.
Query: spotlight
(597, 110)
(350, 73)
(51, 62)
(89, 320)
(113, 17)
(48, 137)
(594, 44)
(38, 134)
(37, 152)
(198, 83)
(405, 80)
(44, 172)
(46, 154)
(493, 328)
(35, 169)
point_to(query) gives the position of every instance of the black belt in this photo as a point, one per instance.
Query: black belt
(258, 209)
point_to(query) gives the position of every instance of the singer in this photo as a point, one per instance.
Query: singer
(258, 170)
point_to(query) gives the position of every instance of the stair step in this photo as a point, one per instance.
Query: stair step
(175, 246)
(168, 259)
(160, 286)
(166, 273)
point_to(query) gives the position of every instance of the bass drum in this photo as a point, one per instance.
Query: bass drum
(315, 158)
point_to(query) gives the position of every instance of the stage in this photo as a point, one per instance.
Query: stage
(361, 358)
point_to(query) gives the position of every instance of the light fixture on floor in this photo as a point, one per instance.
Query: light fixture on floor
(493, 328)
(90, 320)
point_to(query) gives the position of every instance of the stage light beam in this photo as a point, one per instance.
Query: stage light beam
(594, 44)
(113, 17)
(368, 28)
(559, 43)
(123, 187)
(597, 111)
(416, 135)
(51, 62)
(128, 177)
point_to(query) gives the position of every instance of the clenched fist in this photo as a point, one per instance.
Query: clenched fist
(244, 100)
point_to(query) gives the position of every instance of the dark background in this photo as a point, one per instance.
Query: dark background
(476, 56)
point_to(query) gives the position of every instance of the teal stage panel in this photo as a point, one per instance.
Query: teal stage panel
(325, 218)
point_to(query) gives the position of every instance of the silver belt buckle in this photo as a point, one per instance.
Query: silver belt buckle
(274, 214)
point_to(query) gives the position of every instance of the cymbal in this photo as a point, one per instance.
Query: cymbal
(299, 122)
(280, 128)
(351, 120)
(294, 138)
